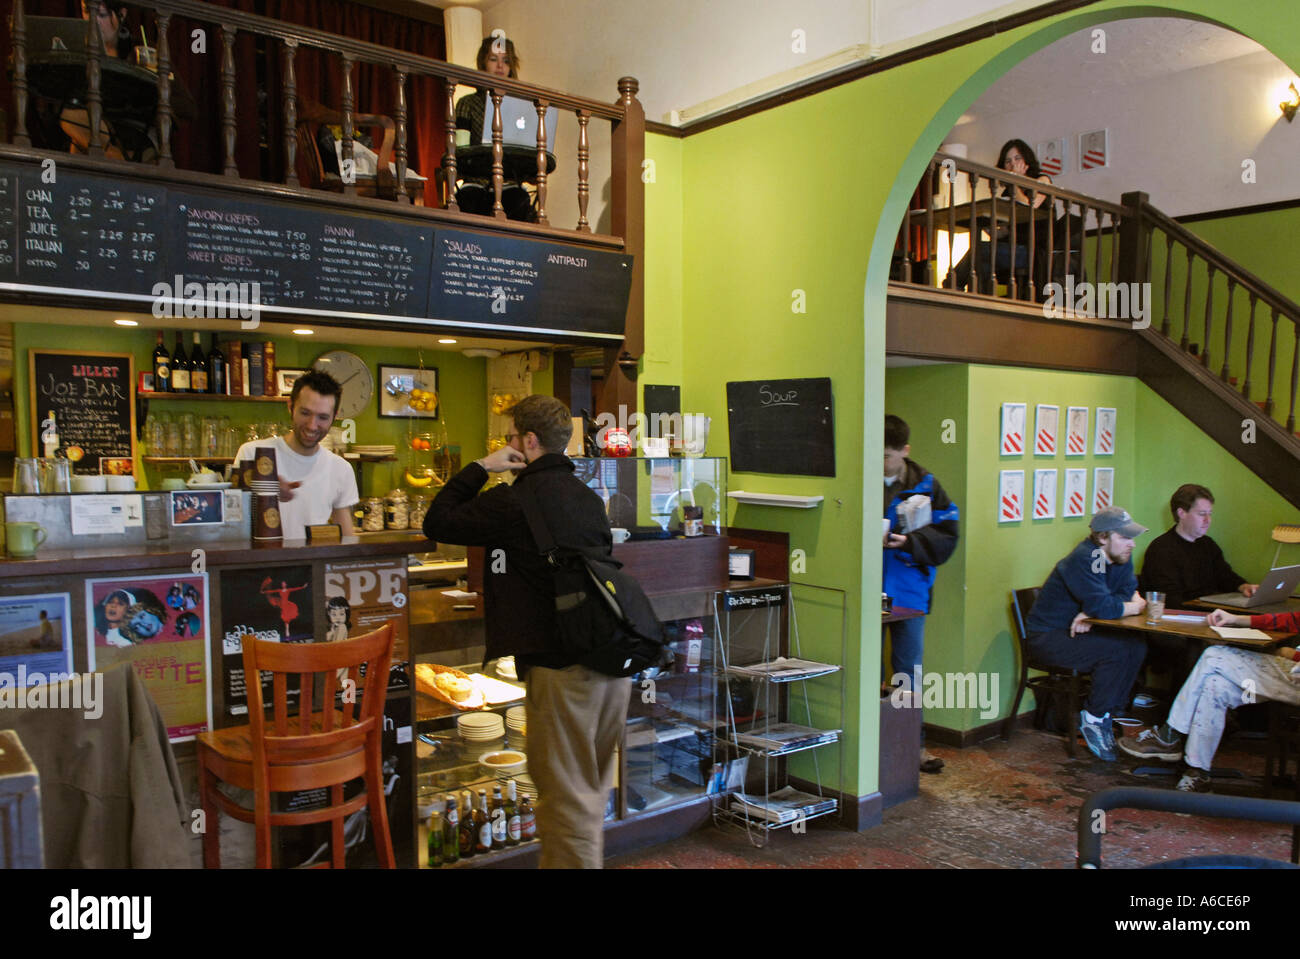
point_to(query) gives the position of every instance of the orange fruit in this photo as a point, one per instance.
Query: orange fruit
(75, 454)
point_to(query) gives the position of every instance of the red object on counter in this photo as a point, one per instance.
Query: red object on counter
(617, 443)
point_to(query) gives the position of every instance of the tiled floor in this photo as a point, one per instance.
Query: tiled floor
(998, 805)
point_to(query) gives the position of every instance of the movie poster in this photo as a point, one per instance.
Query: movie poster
(277, 608)
(158, 624)
(35, 637)
(360, 597)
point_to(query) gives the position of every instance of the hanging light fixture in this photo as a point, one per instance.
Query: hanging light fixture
(1290, 104)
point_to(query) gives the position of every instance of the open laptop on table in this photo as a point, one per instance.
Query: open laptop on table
(45, 34)
(1276, 587)
(519, 123)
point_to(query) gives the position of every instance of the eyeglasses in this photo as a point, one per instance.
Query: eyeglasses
(510, 436)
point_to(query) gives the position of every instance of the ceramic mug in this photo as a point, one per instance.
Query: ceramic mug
(619, 534)
(93, 483)
(23, 539)
(121, 484)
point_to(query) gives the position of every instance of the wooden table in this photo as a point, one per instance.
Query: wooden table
(1197, 631)
(899, 613)
(1289, 605)
(984, 209)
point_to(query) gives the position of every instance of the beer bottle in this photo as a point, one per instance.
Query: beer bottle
(513, 824)
(451, 831)
(435, 839)
(467, 830)
(527, 820)
(500, 822)
(482, 826)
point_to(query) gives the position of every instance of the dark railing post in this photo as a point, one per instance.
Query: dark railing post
(94, 73)
(1250, 346)
(542, 106)
(1227, 329)
(1134, 234)
(1169, 276)
(399, 119)
(449, 157)
(1295, 380)
(289, 51)
(164, 119)
(1272, 365)
(584, 186)
(349, 163)
(627, 219)
(498, 150)
(1209, 313)
(20, 76)
(1187, 304)
(228, 126)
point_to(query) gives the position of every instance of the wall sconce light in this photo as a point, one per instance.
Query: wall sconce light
(1290, 104)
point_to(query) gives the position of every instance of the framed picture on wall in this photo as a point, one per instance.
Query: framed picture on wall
(1076, 435)
(1052, 156)
(1076, 491)
(1011, 496)
(285, 378)
(1012, 441)
(1103, 488)
(1045, 494)
(1094, 153)
(408, 391)
(1104, 440)
(1047, 421)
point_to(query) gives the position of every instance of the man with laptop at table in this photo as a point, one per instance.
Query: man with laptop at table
(1185, 563)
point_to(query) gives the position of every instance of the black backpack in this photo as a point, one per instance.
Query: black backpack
(603, 618)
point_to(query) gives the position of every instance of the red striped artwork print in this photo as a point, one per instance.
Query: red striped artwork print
(1076, 502)
(1093, 158)
(1106, 441)
(1012, 443)
(1076, 443)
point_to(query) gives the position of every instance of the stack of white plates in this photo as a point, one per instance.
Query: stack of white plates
(376, 450)
(516, 730)
(480, 727)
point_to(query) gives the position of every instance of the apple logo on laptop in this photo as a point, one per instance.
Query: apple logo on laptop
(520, 123)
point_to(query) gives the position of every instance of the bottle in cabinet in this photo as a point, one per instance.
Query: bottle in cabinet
(467, 831)
(435, 838)
(514, 826)
(162, 367)
(451, 831)
(500, 821)
(198, 367)
(180, 367)
(482, 825)
(216, 369)
(527, 820)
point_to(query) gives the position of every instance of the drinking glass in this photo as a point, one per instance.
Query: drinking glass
(1155, 607)
(25, 475)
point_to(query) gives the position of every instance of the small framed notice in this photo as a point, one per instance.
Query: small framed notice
(1011, 496)
(1103, 488)
(1047, 421)
(1012, 441)
(1104, 440)
(1076, 436)
(1044, 494)
(1076, 483)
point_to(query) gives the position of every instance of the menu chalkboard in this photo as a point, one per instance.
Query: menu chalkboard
(513, 283)
(782, 426)
(90, 396)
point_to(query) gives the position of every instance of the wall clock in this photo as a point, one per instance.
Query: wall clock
(353, 374)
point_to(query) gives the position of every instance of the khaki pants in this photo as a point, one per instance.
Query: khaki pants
(575, 721)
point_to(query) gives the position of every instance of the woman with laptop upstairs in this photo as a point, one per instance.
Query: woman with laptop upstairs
(496, 55)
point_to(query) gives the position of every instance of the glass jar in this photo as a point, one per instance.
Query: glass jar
(372, 508)
(419, 506)
(397, 510)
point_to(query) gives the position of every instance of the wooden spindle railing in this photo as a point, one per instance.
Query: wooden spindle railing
(400, 154)
(289, 110)
(20, 75)
(1227, 329)
(542, 107)
(163, 116)
(1246, 389)
(347, 169)
(94, 81)
(228, 120)
(584, 154)
(449, 154)
(498, 156)
(1209, 314)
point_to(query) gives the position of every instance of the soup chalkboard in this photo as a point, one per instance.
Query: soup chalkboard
(91, 397)
(781, 426)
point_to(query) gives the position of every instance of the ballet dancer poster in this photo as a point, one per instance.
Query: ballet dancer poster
(275, 606)
(158, 624)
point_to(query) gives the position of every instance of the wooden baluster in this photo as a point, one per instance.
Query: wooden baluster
(1096, 260)
(931, 255)
(905, 230)
(1227, 329)
(288, 51)
(1209, 314)
(1114, 247)
(542, 106)
(94, 74)
(498, 153)
(1011, 250)
(399, 150)
(1187, 303)
(1069, 234)
(1295, 381)
(1032, 247)
(165, 116)
(1272, 365)
(973, 182)
(449, 157)
(348, 168)
(994, 186)
(1051, 250)
(228, 98)
(20, 76)
(1169, 275)
(1250, 346)
(584, 154)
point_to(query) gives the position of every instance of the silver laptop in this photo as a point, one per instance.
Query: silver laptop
(45, 34)
(1276, 587)
(519, 123)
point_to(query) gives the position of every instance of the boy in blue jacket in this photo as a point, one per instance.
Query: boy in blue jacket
(1095, 581)
(911, 557)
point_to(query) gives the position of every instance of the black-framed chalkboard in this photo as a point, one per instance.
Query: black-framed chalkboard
(782, 426)
(91, 397)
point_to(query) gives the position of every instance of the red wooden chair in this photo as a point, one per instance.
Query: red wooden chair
(312, 750)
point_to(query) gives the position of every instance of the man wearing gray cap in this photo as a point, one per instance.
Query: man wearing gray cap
(1095, 581)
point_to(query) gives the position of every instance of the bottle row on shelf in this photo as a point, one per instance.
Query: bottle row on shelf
(508, 821)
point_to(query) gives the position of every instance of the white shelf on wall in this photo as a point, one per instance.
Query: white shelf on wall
(776, 499)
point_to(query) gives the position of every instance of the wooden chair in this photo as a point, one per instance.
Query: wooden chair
(1067, 682)
(313, 171)
(315, 749)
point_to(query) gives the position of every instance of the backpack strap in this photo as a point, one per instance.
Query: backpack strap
(536, 522)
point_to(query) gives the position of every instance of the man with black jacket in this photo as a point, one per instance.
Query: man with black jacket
(575, 715)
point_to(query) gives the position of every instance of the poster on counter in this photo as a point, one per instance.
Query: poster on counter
(1104, 442)
(158, 624)
(1044, 494)
(1012, 442)
(276, 608)
(1046, 423)
(360, 597)
(1076, 483)
(35, 638)
(1076, 436)
(1103, 488)
(1011, 496)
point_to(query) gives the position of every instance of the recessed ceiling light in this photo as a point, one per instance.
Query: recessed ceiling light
(126, 322)
(305, 332)
(446, 340)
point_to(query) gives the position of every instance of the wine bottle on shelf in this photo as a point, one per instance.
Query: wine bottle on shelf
(451, 830)
(467, 829)
(482, 825)
(198, 367)
(50, 438)
(514, 825)
(162, 366)
(216, 369)
(180, 368)
(500, 821)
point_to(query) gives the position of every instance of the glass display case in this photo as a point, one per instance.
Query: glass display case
(648, 495)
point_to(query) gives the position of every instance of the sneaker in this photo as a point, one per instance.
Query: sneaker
(1149, 744)
(1194, 781)
(1098, 737)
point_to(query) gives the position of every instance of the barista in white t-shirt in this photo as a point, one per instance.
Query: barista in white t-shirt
(316, 485)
